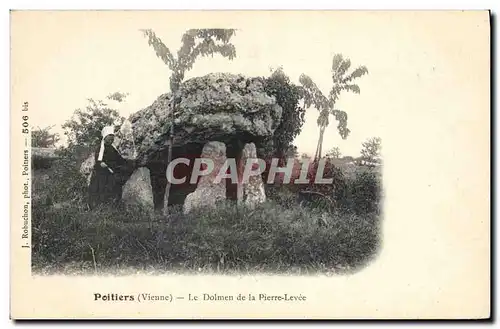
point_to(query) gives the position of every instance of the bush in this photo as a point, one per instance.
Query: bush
(42, 137)
(354, 190)
(62, 183)
(363, 193)
(288, 96)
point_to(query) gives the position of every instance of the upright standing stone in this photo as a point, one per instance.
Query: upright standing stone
(253, 188)
(87, 166)
(208, 192)
(138, 191)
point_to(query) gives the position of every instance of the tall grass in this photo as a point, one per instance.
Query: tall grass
(269, 238)
(278, 236)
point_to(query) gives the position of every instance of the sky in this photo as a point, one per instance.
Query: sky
(62, 58)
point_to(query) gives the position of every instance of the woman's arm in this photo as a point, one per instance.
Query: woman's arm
(113, 159)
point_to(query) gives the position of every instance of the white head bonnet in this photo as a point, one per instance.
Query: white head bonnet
(108, 130)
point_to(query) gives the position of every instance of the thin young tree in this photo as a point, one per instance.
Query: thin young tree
(43, 138)
(326, 105)
(334, 153)
(371, 149)
(195, 43)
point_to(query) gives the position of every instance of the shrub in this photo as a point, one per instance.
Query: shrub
(61, 183)
(357, 190)
(42, 137)
(365, 192)
(288, 96)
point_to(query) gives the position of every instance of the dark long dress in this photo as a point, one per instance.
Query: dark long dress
(106, 187)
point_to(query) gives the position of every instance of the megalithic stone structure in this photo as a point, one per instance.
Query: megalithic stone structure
(209, 191)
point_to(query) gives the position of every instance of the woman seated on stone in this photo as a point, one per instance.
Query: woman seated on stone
(110, 172)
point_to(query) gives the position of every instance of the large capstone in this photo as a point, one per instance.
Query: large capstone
(215, 107)
(231, 109)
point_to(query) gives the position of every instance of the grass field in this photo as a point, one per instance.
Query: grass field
(277, 237)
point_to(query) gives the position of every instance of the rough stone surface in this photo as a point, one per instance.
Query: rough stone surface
(253, 188)
(215, 107)
(137, 190)
(87, 166)
(124, 141)
(209, 191)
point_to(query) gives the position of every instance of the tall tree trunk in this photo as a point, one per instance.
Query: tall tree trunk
(169, 159)
(174, 86)
(175, 81)
(317, 146)
(321, 136)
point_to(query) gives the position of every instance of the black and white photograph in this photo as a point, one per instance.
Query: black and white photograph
(237, 139)
(301, 145)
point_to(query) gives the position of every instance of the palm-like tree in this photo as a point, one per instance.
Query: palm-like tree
(195, 43)
(326, 104)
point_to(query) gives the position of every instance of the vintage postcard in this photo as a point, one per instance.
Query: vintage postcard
(250, 164)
